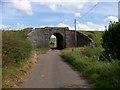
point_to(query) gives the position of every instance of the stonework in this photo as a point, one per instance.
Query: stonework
(40, 37)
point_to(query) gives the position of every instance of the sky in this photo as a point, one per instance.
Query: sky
(90, 15)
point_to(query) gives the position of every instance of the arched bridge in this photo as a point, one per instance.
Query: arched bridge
(40, 37)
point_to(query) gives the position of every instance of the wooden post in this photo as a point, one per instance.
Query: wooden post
(119, 11)
(75, 34)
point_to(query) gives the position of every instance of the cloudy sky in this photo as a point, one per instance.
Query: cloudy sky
(90, 15)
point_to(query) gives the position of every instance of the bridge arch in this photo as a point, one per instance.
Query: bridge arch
(40, 37)
(59, 40)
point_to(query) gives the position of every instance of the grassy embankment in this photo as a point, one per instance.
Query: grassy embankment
(85, 60)
(18, 56)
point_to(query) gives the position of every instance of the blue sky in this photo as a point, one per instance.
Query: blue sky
(19, 14)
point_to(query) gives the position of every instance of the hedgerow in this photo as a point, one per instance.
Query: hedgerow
(111, 40)
(15, 47)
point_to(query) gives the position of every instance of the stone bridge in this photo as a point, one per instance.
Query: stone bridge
(40, 37)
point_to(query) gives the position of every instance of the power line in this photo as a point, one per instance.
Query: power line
(80, 18)
(89, 10)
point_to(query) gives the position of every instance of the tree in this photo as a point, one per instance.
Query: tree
(111, 40)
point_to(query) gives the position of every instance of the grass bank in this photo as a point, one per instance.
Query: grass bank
(85, 60)
(15, 47)
(42, 50)
(18, 57)
(16, 53)
(96, 36)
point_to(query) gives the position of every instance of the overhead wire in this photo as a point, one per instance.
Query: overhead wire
(89, 10)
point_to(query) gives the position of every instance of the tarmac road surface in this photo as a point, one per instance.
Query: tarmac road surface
(51, 71)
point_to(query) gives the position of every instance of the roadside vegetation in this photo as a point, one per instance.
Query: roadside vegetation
(42, 50)
(96, 36)
(18, 56)
(16, 47)
(103, 74)
(111, 40)
(85, 60)
(16, 52)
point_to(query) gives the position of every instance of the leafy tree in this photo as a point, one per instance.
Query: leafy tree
(111, 40)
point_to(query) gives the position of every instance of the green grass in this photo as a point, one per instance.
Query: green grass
(53, 40)
(9, 74)
(15, 46)
(41, 49)
(16, 51)
(96, 36)
(85, 60)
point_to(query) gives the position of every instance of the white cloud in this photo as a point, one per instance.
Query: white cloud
(95, 26)
(23, 6)
(68, 0)
(81, 26)
(65, 4)
(20, 26)
(5, 27)
(77, 15)
(53, 7)
(65, 25)
(55, 1)
(111, 18)
(73, 4)
(88, 26)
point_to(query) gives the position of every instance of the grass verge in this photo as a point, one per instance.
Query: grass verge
(42, 50)
(14, 76)
(85, 60)
(16, 52)
(18, 57)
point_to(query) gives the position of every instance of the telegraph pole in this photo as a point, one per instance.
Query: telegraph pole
(119, 11)
(75, 34)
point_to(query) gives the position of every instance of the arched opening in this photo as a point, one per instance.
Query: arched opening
(56, 41)
(53, 41)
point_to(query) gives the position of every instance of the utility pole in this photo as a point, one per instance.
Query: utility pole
(75, 34)
(119, 11)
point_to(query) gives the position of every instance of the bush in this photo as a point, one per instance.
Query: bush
(15, 47)
(111, 40)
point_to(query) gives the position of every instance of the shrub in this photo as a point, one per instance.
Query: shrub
(15, 46)
(111, 40)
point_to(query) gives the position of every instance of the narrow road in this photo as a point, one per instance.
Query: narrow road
(52, 72)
